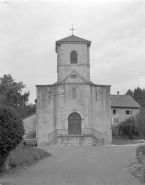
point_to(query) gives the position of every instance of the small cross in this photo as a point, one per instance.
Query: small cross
(72, 29)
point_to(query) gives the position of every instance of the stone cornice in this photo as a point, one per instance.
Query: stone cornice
(80, 83)
(74, 65)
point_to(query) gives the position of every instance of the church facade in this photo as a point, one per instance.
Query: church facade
(74, 110)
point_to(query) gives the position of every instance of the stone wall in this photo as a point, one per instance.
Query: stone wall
(56, 103)
(75, 141)
(64, 66)
(78, 104)
(45, 112)
(100, 111)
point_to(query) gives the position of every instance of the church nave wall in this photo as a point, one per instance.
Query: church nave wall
(101, 111)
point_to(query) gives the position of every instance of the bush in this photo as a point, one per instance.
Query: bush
(11, 132)
(140, 155)
(115, 131)
(128, 128)
(24, 155)
(140, 152)
(140, 120)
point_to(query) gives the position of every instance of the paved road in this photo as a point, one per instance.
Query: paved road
(98, 165)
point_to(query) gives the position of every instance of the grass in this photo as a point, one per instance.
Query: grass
(120, 141)
(23, 156)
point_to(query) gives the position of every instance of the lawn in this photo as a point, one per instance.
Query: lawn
(126, 141)
(24, 156)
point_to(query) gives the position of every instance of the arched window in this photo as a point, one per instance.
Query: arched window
(74, 94)
(73, 57)
(97, 92)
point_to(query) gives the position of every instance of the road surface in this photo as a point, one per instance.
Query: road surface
(94, 165)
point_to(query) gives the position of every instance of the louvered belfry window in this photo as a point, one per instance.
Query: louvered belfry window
(73, 57)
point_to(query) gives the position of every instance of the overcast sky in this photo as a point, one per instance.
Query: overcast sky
(29, 29)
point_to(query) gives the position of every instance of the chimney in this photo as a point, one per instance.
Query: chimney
(118, 94)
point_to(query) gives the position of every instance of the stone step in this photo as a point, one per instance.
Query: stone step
(74, 141)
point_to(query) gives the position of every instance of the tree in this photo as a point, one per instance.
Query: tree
(11, 132)
(129, 92)
(27, 110)
(11, 95)
(138, 95)
(140, 120)
(11, 92)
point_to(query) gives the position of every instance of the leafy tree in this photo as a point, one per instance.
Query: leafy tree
(128, 128)
(11, 92)
(11, 95)
(138, 95)
(129, 92)
(140, 120)
(27, 110)
(11, 132)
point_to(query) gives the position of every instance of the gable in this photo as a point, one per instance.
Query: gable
(74, 77)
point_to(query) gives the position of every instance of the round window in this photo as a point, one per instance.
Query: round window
(73, 76)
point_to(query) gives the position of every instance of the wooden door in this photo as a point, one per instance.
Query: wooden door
(74, 124)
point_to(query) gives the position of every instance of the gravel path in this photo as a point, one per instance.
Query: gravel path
(98, 165)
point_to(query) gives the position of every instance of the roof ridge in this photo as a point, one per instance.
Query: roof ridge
(76, 39)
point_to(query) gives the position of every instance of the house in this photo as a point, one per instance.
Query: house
(74, 110)
(29, 123)
(123, 106)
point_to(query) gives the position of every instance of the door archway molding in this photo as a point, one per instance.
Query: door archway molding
(74, 124)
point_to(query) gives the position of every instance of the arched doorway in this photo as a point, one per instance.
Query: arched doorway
(74, 124)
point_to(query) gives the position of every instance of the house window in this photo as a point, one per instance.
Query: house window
(74, 93)
(73, 57)
(114, 111)
(128, 112)
(115, 120)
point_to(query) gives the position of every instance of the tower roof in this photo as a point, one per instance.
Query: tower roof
(72, 38)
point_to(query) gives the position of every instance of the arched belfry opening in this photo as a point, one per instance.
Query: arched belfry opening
(73, 57)
(74, 124)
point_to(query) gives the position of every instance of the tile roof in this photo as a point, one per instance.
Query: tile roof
(123, 101)
(73, 38)
(28, 116)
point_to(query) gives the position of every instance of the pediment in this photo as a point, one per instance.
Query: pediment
(74, 77)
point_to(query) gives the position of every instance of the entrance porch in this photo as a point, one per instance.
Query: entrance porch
(88, 137)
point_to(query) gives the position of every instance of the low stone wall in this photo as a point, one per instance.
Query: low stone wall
(75, 141)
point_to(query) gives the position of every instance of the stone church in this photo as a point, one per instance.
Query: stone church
(74, 110)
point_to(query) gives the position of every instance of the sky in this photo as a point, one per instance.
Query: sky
(116, 28)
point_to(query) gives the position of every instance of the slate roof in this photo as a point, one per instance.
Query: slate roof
(73, 38)
(124, 101)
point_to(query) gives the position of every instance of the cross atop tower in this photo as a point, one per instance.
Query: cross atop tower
(72, 29)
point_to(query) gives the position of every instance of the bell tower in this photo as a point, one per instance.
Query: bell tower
(73, 54)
